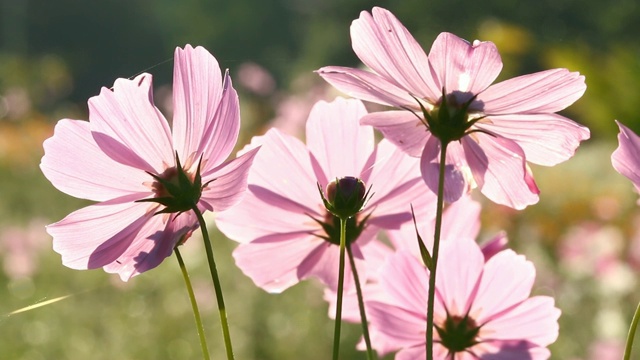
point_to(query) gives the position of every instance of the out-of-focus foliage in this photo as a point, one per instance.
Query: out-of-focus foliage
(583, 236)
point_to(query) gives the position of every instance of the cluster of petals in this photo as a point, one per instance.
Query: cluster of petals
(278, 221)
(493, 295)
(516, 118)
(110, 159)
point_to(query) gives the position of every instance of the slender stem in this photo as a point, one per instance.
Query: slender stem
(436, 249)
(632, 333)
(216, 284)
(194, 305)
(363, 314)
(336, 332)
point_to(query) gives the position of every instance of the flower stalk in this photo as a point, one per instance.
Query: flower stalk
(216, 284)
(435, 251)
(363, 313)
(194, 305)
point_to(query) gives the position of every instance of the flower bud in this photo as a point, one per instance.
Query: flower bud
(345, 196)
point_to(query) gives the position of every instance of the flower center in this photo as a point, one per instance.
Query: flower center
(450, 119)
(458, 333)
(176, 189)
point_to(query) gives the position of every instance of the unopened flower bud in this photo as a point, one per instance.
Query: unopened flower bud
(345, 196)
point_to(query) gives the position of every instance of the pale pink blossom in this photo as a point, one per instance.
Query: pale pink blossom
(489, 302)
(280, 221)
(110, 158)
(504, 126)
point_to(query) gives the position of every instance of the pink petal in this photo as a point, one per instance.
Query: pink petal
(385, 46)
(461, 219)
(283, 167)
(277, 215)
(494, 245)
(456, 178)
(367, 86)
(460, 267)
(337, 141)
(534, 320)
(197, 91)
(227, 183)
(499, 168)
(395, 195)
(542, 92)
(400, 327)
(324, 264)
(98, 235)
(626, 158)
(509, 350)
(500, 290)
(154, 243)
(402, 128)
(77, 166)
(129, 128)
(272, 262)
(405, 280)
(546, 139)
(464, 67)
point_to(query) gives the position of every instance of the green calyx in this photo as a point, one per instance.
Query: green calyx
(176, 190)
(331, 227)
(449, 121)
(458, 333)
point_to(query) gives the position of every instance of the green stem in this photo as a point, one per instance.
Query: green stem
(435, 251)
(632, 333)
(216, 284)
(363, 314)
(194, 305)
(336, 332)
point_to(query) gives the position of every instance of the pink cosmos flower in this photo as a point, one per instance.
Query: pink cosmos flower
(493, 129)
(626, 158)
(110, 160)
(482, 310)
(286, 234)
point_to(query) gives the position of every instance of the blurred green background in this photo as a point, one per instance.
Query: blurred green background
(583, 236)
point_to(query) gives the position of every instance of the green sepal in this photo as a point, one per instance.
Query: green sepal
(424, 252)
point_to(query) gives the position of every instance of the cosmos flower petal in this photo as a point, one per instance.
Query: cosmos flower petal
(461, 219)
(279, 215)
(404, 328)
(227, 182)
(113, 228)
(549, 140)
(495, 245)
(387, 47)
(535, 319)
(542, 92)
(272, 262)
(511, 350)
(456, 181)
(500, 290)
(464, 264)
(338, 153)
(498, 167)
(463, 67)
(75, 164)
(402, 128)
(404, 280)
(221, 134)
(207, 114)
(626, 158)
(129, 128)
(154, 243)
(365, 85)
(323, 264)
